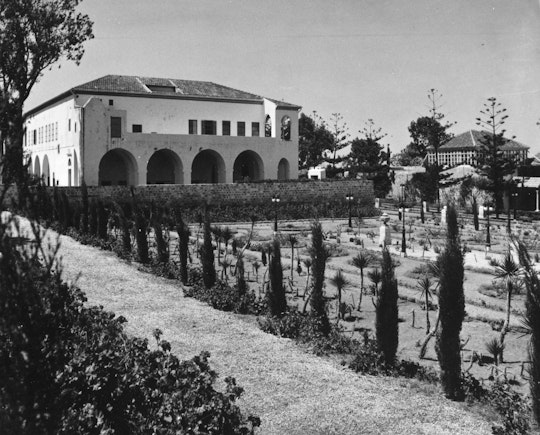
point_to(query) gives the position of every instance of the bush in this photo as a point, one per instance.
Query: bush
(70, 369)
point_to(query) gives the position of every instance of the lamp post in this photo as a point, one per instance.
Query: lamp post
(403, 238)
(349, 198)
(275, 201)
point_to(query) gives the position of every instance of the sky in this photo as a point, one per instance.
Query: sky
(364, 59)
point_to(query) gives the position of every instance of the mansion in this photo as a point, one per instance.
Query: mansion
(464, 149)
(131, 130)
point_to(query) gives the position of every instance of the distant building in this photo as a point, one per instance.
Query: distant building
(130, 130)
(464, 149)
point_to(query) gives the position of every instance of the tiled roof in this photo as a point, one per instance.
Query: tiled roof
(472, 139)
(188, 88)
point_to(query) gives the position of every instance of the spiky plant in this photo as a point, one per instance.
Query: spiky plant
(375, 277)
(207, 253)
(340, 282)
(226, 236)
(531, 321)
(361, 261)
(451, 309)
(425, 284)
(495, 348)
(507, 270)
(319, 256)
(386, 311)
(277, 301)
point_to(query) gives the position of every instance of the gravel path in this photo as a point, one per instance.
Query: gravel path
(292, 391)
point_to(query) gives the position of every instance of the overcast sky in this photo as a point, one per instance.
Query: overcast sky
(363, 58)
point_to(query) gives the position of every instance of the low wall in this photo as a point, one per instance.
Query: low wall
(311, 191)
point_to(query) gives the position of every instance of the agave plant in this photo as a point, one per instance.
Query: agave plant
(375, 277)
(340, 282)
(362, 261)
(495, 347)
(425, 284)
(507, 270)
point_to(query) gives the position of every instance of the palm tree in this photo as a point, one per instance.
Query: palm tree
(507, 270)
(375, 276)
(424, 285)
(293, 240)
(361, 261)
(340, 282)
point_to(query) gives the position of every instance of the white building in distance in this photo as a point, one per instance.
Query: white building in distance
(130, 130)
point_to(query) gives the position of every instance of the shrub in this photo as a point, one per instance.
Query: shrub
(207, 253)
(183, 246)
(319, 257)
(386, 320)
(451, 310)
(84, 209)
(277, 302)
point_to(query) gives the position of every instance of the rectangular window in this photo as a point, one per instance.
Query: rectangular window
(56, 131)
(226, 128)
(69, 124)
(208, 127)
(75, 126)
(192, 126)
(111, 102)
(136, 128)
(241, 128)
(254, 129)
(35, 136)
(116, 126)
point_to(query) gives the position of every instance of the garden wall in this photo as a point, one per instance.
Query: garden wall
(312, 191)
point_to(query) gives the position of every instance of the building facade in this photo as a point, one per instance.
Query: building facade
(130, 130)
(464, 149)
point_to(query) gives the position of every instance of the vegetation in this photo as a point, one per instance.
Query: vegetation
(386, 320)
(319, 257)
(451, 309)
(33, 37)
(207, 253)
(277, 302)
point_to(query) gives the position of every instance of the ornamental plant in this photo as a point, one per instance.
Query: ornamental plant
(207, 253)
(386, 311)
(319, 256)
(451, 309)
(276, 299)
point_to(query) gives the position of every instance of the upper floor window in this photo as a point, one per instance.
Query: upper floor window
(136, 128)
(69, 124)
(208, 127)
(241, 128)
(268, 126)
(111, 102)
(116, 126)
(255, 129)
(226, 128)
(286, 128)
(192, 126)
(34, 136)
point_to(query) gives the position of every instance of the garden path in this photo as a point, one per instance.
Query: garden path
(293, 392)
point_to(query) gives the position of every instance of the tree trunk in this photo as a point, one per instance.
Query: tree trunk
(428, 325)
(361, 289)
(428, 337)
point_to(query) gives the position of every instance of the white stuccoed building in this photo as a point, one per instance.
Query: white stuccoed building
(130, 130)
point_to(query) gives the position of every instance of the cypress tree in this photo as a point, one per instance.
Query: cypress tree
(207, 253)
(319, 257)
(125, 229)
(277, 302)
(93, 218)
(162, 244)
(67, 212)
(84, 211)
(532, 321)
(102, 220)
(183, 244)
(386, 311)
(451, 309)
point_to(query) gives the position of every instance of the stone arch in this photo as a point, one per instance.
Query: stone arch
(118, 167)
(286, 128)
(164, 167)
(37, 167)
(75, 169)
(46, 171)
(283, 171)
(268, 126)
(248, 166)
(208, 167)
